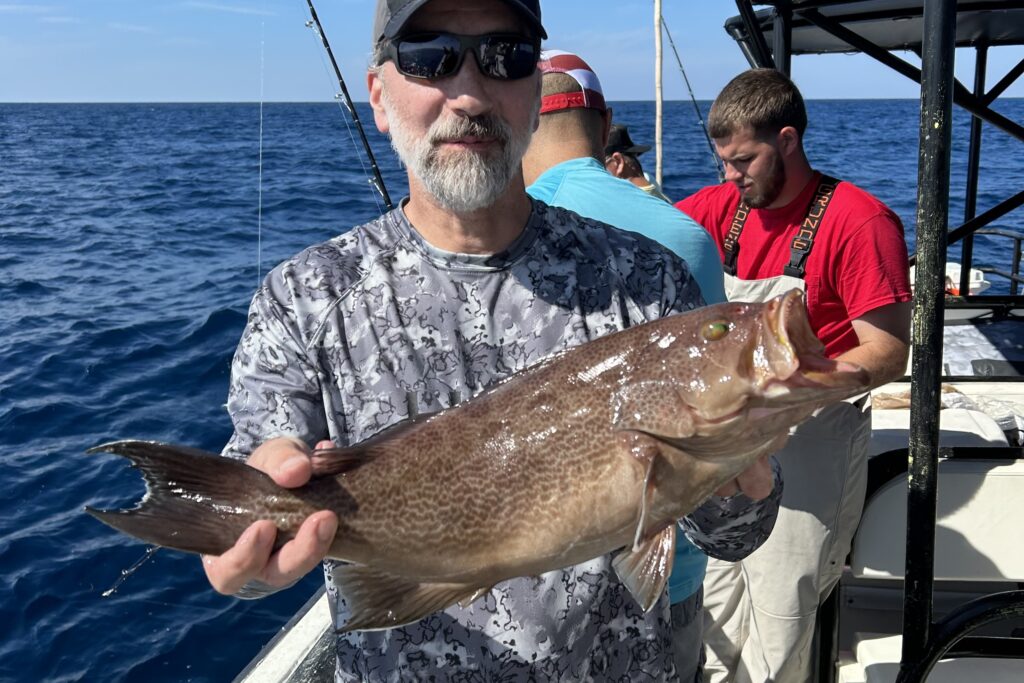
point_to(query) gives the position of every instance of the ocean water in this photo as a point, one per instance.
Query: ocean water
(131, 239)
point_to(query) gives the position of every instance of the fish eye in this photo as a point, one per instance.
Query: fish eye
(714, 331)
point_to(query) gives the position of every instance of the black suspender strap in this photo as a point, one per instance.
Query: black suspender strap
(800, 248)
(731, 244)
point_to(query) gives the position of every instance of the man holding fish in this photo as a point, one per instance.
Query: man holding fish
(528, 533)
(466, 283)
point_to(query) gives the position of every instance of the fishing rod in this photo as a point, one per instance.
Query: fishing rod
(377, 180)
(696, 108)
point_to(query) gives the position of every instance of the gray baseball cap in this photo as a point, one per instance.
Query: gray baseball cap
(392, 15)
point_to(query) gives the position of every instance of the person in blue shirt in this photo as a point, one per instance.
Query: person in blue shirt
(564, 167)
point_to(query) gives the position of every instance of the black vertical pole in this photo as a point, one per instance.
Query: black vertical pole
(1016, 267)
(938, 53)
(758, 46)
(782, 38)
(973, 163)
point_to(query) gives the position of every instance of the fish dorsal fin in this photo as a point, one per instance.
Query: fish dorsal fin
(654, 408)
(332, 461)
(378, 601)
(645, 570)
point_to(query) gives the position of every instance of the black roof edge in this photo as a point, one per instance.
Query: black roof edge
(868, 16)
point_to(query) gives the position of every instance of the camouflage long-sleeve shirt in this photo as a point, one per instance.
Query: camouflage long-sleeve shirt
(354, 335)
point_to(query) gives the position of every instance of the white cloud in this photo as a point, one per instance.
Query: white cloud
(61, 20)
(233, 9)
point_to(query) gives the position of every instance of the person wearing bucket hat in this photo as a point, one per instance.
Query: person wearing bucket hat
(622, 159)
(465, 282)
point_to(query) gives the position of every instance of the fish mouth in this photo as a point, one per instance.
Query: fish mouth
(794, 361)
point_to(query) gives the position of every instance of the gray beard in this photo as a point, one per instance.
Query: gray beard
(466, 182)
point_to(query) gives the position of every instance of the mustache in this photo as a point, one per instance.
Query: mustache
(483, 126)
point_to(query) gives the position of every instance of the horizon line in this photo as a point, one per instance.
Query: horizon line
(92, 102)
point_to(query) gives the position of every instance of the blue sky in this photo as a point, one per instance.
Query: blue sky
(247, 50)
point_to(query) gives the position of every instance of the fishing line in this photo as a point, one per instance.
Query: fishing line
(696, 108)
(339, 100)
(259, 214)
(151, 550)
(348, 126)
(125, 573)
(376, 180)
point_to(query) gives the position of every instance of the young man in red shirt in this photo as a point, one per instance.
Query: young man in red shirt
(780, 224)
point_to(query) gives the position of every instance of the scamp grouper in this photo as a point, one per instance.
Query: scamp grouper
(597, 449)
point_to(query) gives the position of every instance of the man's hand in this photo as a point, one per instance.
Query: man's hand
(287, 462)
(756, 482)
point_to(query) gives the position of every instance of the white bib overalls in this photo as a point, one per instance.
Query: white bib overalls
(759, 613)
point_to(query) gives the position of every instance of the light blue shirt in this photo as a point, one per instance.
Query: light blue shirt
(585, 187)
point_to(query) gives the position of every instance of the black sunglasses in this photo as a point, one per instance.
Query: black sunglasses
(437, 55)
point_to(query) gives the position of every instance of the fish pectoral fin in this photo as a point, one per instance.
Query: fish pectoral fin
(480, 592)
(646, 450)
(379, 601)
(645, 571)
(652, 407)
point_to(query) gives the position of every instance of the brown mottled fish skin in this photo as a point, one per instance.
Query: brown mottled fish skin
(601, 447)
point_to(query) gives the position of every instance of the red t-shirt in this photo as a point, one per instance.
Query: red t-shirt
(858, 261)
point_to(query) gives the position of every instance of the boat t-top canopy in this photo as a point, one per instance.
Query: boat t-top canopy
(880, 28)
(888, 24)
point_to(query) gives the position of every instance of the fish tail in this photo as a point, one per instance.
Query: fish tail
(195, 501)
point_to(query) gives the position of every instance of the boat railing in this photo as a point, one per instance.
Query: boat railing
(1013, 275)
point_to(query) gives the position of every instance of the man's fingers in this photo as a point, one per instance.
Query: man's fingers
(244, 561)
(285, 459)
(250, 557)
(728, 489)
(293, 472)
(757, 481)
(299, 555)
